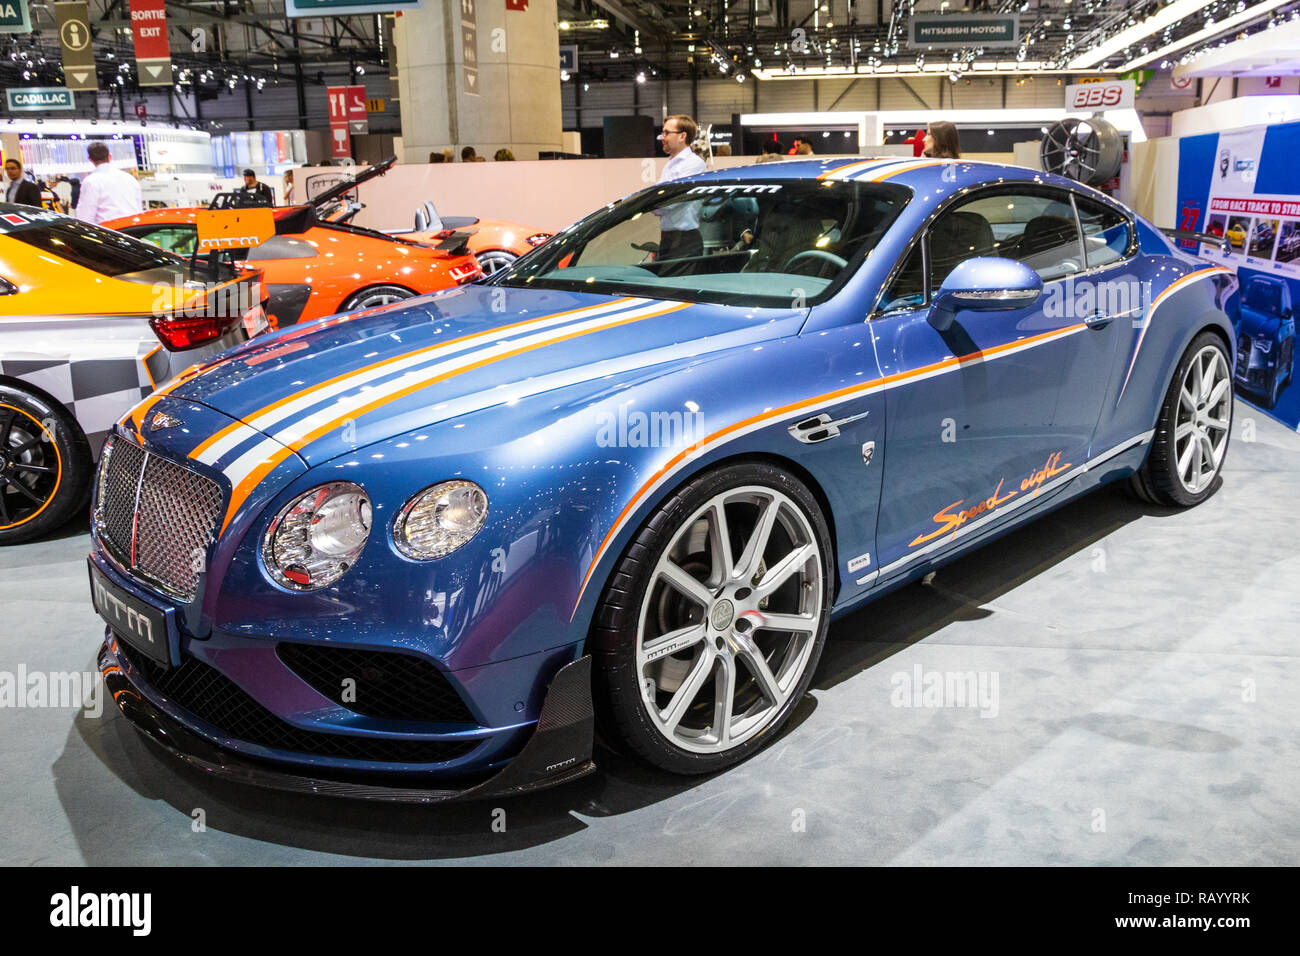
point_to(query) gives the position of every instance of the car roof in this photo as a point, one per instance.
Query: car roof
(917, 173)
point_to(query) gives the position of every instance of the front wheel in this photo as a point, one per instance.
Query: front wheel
(45, 466)
(713, 620)
(1191, 438)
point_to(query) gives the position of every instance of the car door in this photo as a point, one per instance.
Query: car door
(971, 420)
(1108, 297)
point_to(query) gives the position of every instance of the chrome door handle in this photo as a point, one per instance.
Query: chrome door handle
(821, 428)
(1098, 320)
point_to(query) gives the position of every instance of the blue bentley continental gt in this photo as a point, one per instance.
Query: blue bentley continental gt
(421, 551)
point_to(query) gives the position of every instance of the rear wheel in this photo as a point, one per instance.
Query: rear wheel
(1191, 439)
(45, 466)
(712, 623)
(376, 295)
(494, 260)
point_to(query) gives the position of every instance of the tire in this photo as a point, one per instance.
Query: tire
(1275, 390)
(45, 466)
(1170, 476)
(645, 599)
(375, 295)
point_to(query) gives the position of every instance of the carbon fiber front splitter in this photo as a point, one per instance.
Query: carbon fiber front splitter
(559, 751)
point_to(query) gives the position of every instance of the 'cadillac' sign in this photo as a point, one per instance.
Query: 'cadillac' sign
(27, 99)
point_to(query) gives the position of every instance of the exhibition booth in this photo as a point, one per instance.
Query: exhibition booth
(882, 434)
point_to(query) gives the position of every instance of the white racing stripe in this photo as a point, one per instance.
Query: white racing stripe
(262, 421)
(238, 470)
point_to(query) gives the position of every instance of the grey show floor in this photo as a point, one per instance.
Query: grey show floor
(1147, 713)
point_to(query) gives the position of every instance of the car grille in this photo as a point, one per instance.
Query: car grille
(386, 685)
(155, 516)
(215, 699)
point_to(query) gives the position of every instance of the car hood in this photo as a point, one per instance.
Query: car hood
(341, 383)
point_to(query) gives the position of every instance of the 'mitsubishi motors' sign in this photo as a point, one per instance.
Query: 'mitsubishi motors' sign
(32, 98)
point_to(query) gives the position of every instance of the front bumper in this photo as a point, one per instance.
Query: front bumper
(560, 749)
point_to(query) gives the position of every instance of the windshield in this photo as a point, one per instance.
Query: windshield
(743, 243)
(101, 250)
(1265, 297)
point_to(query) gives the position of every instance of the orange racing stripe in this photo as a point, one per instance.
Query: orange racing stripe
(795, 408)
(240, 492)
(235, 425)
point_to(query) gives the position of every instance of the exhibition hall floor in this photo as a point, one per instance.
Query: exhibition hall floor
(1138, 671)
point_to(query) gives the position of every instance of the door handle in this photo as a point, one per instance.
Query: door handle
(820, 428)
(1098, 320)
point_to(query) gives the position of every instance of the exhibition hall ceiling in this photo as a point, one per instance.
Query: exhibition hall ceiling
(221, 43)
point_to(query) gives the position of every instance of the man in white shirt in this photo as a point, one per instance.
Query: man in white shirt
(679, 224)
(107, 192)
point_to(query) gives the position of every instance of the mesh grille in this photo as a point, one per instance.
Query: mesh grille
(212, 697)
(115, 512)
(163, 532)
(387, 685)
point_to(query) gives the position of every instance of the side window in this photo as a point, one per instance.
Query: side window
(1106, 233)
(908, 288)
(1037, 229)
(177, 239)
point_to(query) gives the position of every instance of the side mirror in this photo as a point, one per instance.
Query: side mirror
(984, 284)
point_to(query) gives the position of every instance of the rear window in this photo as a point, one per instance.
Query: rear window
(93, 247)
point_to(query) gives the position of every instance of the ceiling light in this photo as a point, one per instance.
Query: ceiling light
(1168, 16)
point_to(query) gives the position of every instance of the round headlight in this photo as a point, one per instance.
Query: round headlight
(318, 536)
(440, 519)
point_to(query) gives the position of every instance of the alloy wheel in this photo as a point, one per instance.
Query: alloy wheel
(379, 298)
(495, 260)
(1203, 420)
(729, 619)
(29, 467)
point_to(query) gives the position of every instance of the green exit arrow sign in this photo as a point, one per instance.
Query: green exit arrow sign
(14, 17)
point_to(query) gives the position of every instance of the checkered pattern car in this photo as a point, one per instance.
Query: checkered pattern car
(86, 319)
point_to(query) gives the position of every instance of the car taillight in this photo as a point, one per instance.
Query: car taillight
(538, 239)
(466, 273)
(181, 332)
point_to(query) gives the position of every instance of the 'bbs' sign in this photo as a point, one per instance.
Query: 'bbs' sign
(1105, 95)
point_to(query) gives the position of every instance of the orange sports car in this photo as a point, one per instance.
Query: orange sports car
(313, 267)
(496, 243)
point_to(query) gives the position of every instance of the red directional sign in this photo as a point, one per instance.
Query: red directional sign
(358, 122)
(340, 139)
(152, 51)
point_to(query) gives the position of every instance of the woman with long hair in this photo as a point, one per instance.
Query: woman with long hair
(941, 141)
